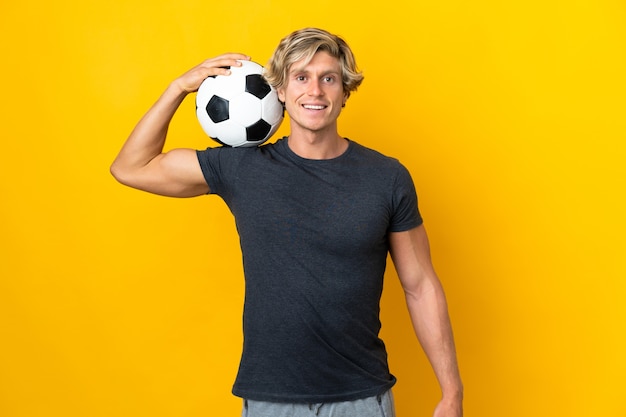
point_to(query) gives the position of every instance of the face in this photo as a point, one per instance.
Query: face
(313, 94)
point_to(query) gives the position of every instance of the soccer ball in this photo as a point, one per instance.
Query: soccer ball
(240, 109)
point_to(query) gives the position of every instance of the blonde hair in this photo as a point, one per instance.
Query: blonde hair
(303, 44)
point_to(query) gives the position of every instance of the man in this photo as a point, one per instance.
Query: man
(314, 261)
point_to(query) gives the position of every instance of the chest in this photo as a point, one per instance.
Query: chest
(340, 209)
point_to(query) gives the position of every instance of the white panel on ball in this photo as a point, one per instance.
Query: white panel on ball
(240, 109)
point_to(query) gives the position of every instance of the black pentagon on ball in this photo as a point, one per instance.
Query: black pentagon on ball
(257, 86)
(221, 143)
(217, 109)
(258, 131)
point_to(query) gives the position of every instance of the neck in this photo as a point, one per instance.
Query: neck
(317, 145)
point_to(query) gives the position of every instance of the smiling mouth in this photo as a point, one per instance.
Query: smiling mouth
(313, 107)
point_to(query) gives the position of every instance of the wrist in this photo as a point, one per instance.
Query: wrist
(176, 89)
(453, 393)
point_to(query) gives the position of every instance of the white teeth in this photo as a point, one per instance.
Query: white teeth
(311, 107)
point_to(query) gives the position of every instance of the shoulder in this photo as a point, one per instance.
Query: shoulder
(376, 161)
(227, 161)
(362, 151)
(237, 153)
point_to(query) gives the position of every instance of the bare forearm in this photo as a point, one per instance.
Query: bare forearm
(429, 314)
(147, 139)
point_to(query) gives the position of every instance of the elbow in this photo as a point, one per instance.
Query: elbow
(120, 174)
(116, 171)
(422, 285)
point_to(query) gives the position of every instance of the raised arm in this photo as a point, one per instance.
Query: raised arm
(428, 309)
(142, 164)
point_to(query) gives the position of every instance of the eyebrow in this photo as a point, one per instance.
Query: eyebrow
(303, 70)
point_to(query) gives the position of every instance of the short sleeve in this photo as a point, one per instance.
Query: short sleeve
(406, 214)
(218, 166)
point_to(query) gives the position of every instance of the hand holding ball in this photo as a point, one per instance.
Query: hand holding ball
(240, 109)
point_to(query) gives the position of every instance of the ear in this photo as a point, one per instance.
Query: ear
(281, 94)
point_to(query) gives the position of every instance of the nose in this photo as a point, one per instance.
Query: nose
(315, 88)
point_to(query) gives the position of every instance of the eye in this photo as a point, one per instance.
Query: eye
(300, 78)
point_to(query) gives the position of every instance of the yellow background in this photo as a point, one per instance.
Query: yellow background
(509, 114)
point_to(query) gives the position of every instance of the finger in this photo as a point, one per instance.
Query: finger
(221, 65)
(234, 55)
(226, 60)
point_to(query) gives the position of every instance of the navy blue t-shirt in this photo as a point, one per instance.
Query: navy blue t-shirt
(314, 240)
